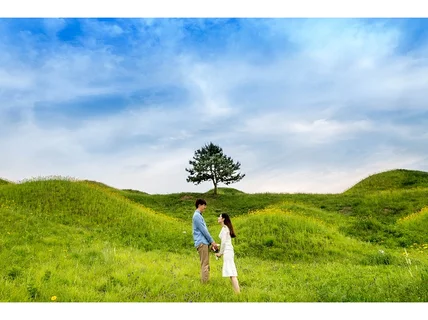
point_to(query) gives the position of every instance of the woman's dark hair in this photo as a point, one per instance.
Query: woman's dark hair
(228, 223)
(200, 202)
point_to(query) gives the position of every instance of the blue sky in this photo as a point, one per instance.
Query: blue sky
(306, 105)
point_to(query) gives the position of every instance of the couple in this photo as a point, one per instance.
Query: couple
(203, 240)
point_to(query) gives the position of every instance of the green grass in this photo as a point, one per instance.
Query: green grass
(392, 180)
(85, 241)
(222, 190)
(369, 217)
(95, 270)
(104, 213)
(2, 182)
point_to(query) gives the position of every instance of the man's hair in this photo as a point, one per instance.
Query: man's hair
(200, 202)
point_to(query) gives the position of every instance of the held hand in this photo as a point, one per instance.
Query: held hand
(218, 255)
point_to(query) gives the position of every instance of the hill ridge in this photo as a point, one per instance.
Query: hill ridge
(5, 181)
(391, 180)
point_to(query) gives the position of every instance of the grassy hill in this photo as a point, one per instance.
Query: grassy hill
(286, 235)
(398, 179)
(67, 240)
(368, 217)
(95, 208)
(222, 190)
(2, 182)
(417, 225)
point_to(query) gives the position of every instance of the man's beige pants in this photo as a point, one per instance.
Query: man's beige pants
(205, 262)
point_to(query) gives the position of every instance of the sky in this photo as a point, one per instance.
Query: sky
(305, 105)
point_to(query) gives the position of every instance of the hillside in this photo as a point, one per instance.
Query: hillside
(417, 225)
(100, 184)
(72, 240)
(2, 182)
(391, 180)
(286, 235)
(222, 190)
(367, 217)
(97, 209)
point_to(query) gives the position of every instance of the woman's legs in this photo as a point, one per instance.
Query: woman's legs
(235, 284)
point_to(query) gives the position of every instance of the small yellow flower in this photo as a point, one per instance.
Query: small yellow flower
(53, 298)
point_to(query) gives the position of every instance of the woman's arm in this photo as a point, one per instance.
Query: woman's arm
(223, 240)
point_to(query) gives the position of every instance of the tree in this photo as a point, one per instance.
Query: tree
(210, 164)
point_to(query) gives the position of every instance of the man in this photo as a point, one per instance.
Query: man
(202, 239)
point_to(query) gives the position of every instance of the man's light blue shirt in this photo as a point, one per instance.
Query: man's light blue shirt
(200, 230)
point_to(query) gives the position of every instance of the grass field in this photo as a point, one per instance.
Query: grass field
(65, 240)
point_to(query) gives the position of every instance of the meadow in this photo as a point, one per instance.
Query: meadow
(65, 240)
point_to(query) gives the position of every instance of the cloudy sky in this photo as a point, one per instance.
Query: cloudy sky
(306, 105)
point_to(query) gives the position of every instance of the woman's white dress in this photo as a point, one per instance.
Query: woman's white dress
(226, 248)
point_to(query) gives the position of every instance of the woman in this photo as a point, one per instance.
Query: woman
(226, 250)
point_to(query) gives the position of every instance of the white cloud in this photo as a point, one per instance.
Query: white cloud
(207, 87)
(308, 131)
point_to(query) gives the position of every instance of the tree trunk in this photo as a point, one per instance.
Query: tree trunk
(215, 187)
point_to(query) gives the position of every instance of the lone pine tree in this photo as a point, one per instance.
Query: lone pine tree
(210, 164)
